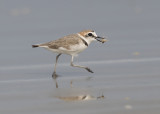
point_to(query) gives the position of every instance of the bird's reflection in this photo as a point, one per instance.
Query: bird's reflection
(55, 80)
(74, 94)
(71, 81)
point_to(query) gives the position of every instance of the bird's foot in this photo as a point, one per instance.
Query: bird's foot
(89, 70)
(54, 75)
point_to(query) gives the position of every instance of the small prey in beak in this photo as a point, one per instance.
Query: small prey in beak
(101, 39)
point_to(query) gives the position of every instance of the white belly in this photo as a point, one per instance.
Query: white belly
(74, 49)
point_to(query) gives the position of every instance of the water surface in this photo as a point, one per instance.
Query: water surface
(126, 68)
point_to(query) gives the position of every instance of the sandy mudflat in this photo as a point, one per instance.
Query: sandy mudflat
(126, 78)
(130, 92)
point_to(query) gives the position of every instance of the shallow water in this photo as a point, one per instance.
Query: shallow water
(127, 90)
(126, 68)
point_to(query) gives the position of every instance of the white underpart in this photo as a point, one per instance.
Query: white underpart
(44, 46)
(73, 51)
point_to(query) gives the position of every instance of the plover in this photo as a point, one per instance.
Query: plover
(71, 45)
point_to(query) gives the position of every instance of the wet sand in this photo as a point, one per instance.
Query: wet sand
(126, 89)
(126, 78)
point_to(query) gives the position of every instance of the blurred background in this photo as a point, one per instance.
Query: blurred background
(132, 27)
(126, 67)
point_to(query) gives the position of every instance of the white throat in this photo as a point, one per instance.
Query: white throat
(88, 41)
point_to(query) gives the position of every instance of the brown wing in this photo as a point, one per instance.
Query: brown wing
(64, 42)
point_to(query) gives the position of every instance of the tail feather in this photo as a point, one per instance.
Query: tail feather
(34, 46)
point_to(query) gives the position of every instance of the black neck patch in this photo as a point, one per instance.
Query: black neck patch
(85, 42)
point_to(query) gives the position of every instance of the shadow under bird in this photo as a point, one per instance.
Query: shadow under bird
(71, 45)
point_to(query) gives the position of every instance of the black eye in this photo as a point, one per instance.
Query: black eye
(90, 34)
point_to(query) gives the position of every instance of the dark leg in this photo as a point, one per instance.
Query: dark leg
(88, 69)
(55, 80)
(54, 75)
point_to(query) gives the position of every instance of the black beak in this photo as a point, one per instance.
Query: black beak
(100, 39)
